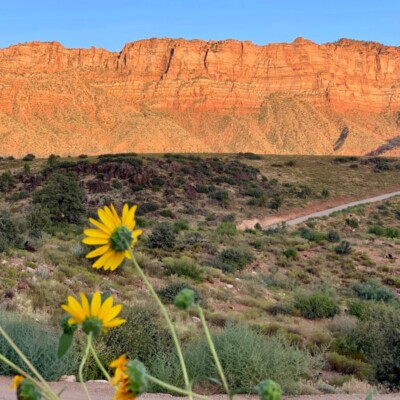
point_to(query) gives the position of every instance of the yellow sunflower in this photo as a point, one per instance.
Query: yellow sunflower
(16, 382)
(120, 367)
(94, 317)
(114, 236)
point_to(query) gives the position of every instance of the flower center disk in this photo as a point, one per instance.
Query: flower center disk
(121, 239)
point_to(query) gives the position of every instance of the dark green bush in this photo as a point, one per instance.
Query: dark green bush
(247, 357)
(346, 365)
(377, 230)
(319, 304)
(291, 252)
(372, 290)
(38, 220)
(142, 336)
(183, 266)
(231, 260)
(29, 157)
(145, 208)
(168, 293)
(227, 229)
(311, 235)
(181, 225)
(63, 197)
(39, 343)
(333, 237)
(163, 236)
(343, 248)
(8, 231)
(222, 196)
(166, 213)
(378, 339)
(7, 182)
(352, 222)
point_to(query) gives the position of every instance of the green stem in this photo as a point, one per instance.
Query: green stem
(98, 362)
(83, 362)
(175, 389)
(213, 351)
(27, 362)
(169, 323)
(50, 395)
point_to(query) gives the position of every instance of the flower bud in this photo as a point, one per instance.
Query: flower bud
(269, 390)
(92, 325)
(67, 328)
(137, 377)
(184, 299)
(28, 391)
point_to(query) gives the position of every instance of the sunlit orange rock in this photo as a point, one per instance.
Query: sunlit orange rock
(167, 95)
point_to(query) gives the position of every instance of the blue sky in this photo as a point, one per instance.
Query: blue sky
(110, 24)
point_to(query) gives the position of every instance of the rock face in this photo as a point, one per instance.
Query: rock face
(166, 95)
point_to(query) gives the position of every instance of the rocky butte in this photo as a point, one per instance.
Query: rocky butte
(175, 95)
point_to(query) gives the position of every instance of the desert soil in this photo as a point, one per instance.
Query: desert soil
(316, 210)
(101, 391)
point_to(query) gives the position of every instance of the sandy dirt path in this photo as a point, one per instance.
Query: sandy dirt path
(316, 210)
(101, 391)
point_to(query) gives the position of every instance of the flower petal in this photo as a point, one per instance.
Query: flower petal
(116, 216)
(125, 211)
(130, 218)
(97, 233)
(118, 259)
(112, 313)
(100, 262)
(85, 304)
(105, 308)
(95, 305)
(114, 323)
(98, 252)
(105, 218)
(100, 226)
(74, 309)
(94, 241)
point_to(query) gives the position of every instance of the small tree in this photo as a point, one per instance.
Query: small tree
(38, 220)
(163, 236)
(7, 181)
(63, 197)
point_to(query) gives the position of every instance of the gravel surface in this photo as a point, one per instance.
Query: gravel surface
(101, 391)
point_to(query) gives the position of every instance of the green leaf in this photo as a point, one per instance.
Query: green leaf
(369, 396)
(64, 344)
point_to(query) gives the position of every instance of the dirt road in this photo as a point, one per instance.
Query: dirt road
(312, 211)
(101, 391)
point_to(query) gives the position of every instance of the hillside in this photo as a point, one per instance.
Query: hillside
(174, 95)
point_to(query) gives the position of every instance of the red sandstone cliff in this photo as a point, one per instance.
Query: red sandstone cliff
(170, 95)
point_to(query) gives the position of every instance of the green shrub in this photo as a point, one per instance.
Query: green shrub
(142, 336)
(377, 338)
(227, 229)
(181, 225)
(392, 233)
(231, 260)
(352, 222)
(38, 220)
(247, 357)
(325, 193)
(222, 196)
(145, 208)
(311, 235)
(163, 236)
(276, 202)
(291, 252)
(7, 182)
(166, 214)
(63, 197)
(183, 266)
(39, 343)
(376, 230)
(168, 293)
(333, 237)
(343, 248)
(319, 304)
(29, 157)
(9, 235)
(345, 365)
(372, 290)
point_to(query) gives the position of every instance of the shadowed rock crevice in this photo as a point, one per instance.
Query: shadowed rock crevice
(389, 145)
(342, 138)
